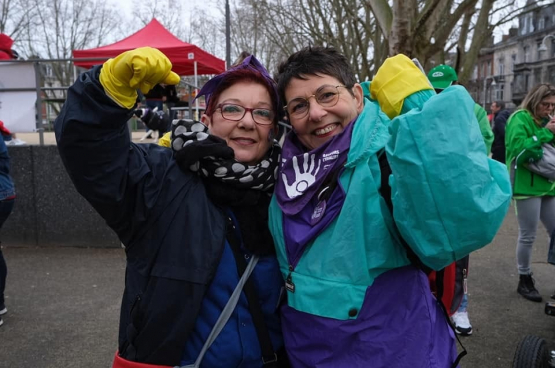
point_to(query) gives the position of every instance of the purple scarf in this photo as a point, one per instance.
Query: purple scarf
(300, 189)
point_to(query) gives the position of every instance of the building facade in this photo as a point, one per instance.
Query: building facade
(525, 57)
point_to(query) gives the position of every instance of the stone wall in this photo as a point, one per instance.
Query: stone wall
(48, 210)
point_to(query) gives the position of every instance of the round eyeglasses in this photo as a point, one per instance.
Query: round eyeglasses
(236, 112)
(325, 96)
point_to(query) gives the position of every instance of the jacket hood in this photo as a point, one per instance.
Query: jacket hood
(370, 133)
(6, 43)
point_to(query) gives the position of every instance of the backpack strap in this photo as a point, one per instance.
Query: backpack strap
(385, 192)
(269, 357)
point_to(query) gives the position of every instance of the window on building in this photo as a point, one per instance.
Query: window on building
(499, 95)
(530, 24)
(501, 66)
(526, 54)
(513, 61)
(48, 72)
(537, 76)
(525, 25)
(526, 82)
(551, 73)
(541, 24)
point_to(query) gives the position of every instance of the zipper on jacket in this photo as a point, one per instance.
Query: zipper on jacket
(289, 281)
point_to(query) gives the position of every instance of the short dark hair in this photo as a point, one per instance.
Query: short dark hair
(500, 104)
(314, 60)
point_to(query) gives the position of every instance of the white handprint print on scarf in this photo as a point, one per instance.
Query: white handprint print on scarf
(303, 180)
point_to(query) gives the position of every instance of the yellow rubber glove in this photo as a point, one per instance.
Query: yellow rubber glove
(142, 68)
(165, 140)
(395, 80)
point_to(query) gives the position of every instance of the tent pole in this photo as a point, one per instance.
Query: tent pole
(196, 92)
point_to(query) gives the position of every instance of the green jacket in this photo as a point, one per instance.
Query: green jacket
(485, 127)
(523, 140)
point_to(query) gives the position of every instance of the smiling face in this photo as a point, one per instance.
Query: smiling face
(248, 139)
(322, 123)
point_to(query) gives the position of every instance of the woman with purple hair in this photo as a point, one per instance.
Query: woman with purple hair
(202, 283)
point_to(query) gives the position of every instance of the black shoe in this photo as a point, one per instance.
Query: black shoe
(526, 288)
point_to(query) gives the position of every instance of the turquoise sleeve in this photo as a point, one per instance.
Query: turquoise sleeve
(449, 198)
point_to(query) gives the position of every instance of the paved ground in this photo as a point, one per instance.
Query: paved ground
(64, 304)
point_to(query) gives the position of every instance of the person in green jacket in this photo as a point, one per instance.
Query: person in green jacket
(527, 129)
(442, 77)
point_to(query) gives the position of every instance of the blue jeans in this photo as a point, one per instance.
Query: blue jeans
(464, 303)
(5, 210)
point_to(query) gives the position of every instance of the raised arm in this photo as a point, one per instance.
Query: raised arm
(449, 198)
(94, 142)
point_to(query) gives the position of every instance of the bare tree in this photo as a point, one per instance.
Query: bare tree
(345, 24)
(14, 19)
(167, 12)
(57, 27)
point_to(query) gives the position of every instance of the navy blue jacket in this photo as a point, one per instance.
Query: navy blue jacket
(174, 235)
(498, 145)
(6, 183)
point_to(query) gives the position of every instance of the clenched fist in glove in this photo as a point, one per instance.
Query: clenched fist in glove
(395, 80)
(142, 68)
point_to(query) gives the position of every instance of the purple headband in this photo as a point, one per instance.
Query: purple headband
(249, 62)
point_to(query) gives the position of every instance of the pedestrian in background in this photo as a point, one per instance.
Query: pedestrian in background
(500, 117)
(7, 199)
(527, 129)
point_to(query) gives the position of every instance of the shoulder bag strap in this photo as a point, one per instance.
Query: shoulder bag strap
(226, 312)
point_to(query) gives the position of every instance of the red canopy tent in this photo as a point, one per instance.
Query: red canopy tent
(187, 59)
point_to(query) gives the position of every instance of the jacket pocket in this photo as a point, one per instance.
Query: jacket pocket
(198, 275)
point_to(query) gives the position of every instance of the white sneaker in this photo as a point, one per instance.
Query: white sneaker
(15, 142)
(462, 324)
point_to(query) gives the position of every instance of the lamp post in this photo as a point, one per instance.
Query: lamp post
(227, 35)
(543, 47)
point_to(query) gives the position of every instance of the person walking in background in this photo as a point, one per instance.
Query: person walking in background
(527, 129)
(500, 117)
(193, 218)
(354, 299)
(7, 199)
(442, 77)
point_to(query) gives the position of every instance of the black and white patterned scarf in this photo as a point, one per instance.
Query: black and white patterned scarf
(199, 151)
